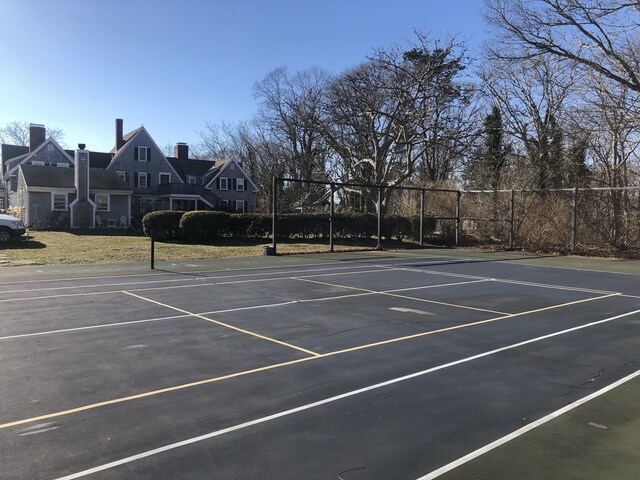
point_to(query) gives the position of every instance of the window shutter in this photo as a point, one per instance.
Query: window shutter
(126, 178)
(148, 154)
(135, 154)
(234, 185)
(135, 183)
(218, 183)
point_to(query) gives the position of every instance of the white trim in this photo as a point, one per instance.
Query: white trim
(66, 202)
(93, 217)
(226, 184)
(209, 185)
(244, 184)
(244, 206)
(32, 154)
(38, 163)
(160, 174)
(63, 165)
(139, 150)
(153, 143)
(108, 202)
(146, 179)
(123, 177)
(192, 177)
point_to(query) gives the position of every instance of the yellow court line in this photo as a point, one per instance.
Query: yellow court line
(390, 294)
(280, 365)
(226, 325)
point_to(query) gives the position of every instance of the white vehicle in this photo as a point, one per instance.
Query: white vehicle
(10, 227)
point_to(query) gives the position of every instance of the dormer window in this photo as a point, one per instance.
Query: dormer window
(143, 154)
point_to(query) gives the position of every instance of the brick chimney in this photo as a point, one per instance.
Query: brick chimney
(119, 134)
(181, 151)
(37, 136)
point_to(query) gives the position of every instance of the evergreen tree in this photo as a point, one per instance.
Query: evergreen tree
(494, 152)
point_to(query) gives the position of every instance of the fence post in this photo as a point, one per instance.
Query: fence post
(153, 250)
(331, 219)
(422, 217)
(458, 197)
(512, 229)
(574, 220)
(274, 208)
(379, 245)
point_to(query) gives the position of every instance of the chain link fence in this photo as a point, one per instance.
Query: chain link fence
(588, 221)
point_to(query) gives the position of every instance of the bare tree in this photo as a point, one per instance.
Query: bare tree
(17, 133)
(397, 114)
(532, 95)
(599, 35)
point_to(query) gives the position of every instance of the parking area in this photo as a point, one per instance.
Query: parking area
(367, 365)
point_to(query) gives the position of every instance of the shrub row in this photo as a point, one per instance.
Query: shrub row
(210, 226)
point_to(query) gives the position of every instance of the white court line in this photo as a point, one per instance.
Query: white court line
(354, 263)
(91, 327)
(513, 261)
(521, 431)
(217, 433)
(169, 280)
(502, 280)
(229, 310)
(133, 322)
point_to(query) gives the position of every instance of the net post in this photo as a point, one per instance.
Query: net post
(153, 250)
(512, 220)
(422, 217)
(274, 209)
(331, 218)
(458, 198)
(379, 203)
(574, 220)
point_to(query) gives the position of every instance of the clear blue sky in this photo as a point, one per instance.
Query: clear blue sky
(173, 66)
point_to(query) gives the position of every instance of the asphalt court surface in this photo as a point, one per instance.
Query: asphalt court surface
(374, 366)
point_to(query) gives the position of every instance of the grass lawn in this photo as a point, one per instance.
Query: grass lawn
(50, 248)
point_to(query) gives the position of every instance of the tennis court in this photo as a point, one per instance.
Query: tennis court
(370, 365)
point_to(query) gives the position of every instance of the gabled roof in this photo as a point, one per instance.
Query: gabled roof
(126, 137)
(58, 177)
(24, 158)
(96, 159)
(8, 152)
(220, 167)
(196, 168)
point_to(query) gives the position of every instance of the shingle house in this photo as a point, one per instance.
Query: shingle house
(154, 182)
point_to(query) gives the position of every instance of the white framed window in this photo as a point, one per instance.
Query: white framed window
(62, 164)
(164, 178)
(59, 202)
(50, 147)
(103, 202)
(123, 175)
(143, 154)
(191, 180)
(240, 185)
(224, 183)
(142, 180)
(240, 206)
(39, 163)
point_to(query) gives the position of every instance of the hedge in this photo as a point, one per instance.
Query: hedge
(164, 223)
(211, 226)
